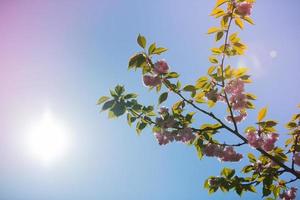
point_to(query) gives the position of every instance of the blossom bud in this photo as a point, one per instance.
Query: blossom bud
(151, 80)
(161, 67)
(244, 8)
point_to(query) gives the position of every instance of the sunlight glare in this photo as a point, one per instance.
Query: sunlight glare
(47, 139)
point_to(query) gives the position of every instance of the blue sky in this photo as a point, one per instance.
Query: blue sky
(62, 55)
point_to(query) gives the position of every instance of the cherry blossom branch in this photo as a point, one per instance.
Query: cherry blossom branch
(229, 145)
(292, 180)
(222, 69)
(294, 151)
(235, 132)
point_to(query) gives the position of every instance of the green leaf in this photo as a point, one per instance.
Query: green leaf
(291, 125)
(228, 173)
(199, 151)
(262, 113)
(129, 117)
(163, 97)
(141, 41)
(239, 190)
(266, 191)
(140, 126)
(137, 60)
(251, 157)
(118, 109)
(151, 48)
(251, 96)
(159, 50)
(247, 169)
(189, 88)
(108, 105)
(219, 35)
(102, 100)
(251, 188)
(119, 89)
(172, 75)
(130, 96)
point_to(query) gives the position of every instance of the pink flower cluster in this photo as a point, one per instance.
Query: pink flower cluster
(237, 100)
(160, 67)
(168, 130)
(264, 141)
(226, 154)
(297, 158)
(259, 166)
(244, 8)
(289, 194)
(151, 81)
(165, 136)
(166, 122)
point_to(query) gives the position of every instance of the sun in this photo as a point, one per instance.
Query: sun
(47, 139)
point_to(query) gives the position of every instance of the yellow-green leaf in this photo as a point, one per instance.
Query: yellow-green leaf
(240, 72)
(220, 2)
(216, 50)
(141, 41)
(219, 35)
(213, 30)
(248, 19)
(217, 12)
(262, 114)
(211, 70)
(213, 60)
(239, 23)
(199, 97)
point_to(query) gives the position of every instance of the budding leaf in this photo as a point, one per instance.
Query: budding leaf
(141, 41)
(261, 115)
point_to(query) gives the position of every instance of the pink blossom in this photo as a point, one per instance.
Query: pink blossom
(244, 8)
(238, 118)
(266, 142)
(151, 80)
(269, 141)
(166, 122)
(235, 86)
(297, 158)
(164, 137)
(230, 155)
(227, 154)
(185, 135)
(254, 140)
(161, 67)
(238, 101)
(289, 194)
(212, 150)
